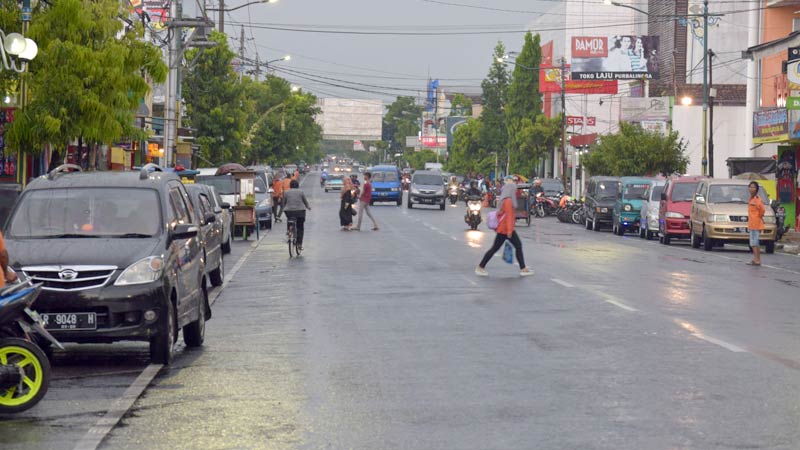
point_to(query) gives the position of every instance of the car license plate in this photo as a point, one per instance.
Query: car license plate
(70, 321)
(740, 230)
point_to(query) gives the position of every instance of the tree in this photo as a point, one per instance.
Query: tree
(524, 100)
(467, 155)
(418, 159)
(635, 151)
(401, 120)
(534, 140)
(493, 135)
(461, 105)
(215, 106)
(88, 79)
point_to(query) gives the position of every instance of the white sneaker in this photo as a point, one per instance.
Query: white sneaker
(481, 272)
(526, 272)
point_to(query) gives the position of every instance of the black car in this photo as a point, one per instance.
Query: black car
(118, 254)
(601, 194)
(211, 231)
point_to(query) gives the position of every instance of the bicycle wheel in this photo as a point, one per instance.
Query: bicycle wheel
(296, 249)
(290, 241)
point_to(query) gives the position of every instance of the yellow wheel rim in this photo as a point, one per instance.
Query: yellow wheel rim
(33, 374)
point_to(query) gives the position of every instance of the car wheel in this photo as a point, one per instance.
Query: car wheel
(400, 201)
(595, 225)
(642, 232)
(649, 235)
(665, 239)
(162, 345)
(217, 275)
(587, 224)
(708, 243)
(326, 191)
(410, 206)
(195, 333)
(268, 224)
(441, 207)
(693, 240)
(770, 247)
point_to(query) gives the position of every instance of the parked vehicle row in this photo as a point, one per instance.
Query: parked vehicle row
(709, 212)
(121, 256)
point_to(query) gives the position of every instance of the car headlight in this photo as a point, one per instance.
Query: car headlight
(414, 190)
(263, 203)
(144, 271)
(673, 215)
(718, 218)
(601, 210)
(653, 223)
(627, 207)
(769, 219)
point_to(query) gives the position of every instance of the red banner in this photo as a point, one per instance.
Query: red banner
(589, 47)
(550, 81)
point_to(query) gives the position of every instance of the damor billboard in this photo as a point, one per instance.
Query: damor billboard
(621, 57)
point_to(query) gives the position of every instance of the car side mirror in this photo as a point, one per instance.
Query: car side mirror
(225, 205)
(699, 199)
(184, 231)
(210, 218)
(664, 196)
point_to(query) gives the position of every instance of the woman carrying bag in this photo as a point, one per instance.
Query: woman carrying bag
(505, 230)
(346, 210)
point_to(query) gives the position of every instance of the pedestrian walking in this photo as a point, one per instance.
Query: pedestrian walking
(364, 201)
(277, 198)
(755, 222)
(346, 209)
(505, 230)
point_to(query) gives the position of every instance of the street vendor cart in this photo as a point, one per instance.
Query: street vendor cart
(523, 212)
(244, 211)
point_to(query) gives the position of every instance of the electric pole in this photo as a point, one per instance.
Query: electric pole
(710, 56)
(705, 87)
(171, 100)
(241, 55)
(222, 16)
(563, 123)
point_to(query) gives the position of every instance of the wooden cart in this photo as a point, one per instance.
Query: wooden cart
(244, 214)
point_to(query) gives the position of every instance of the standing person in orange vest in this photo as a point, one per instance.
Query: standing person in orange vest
(277, 197)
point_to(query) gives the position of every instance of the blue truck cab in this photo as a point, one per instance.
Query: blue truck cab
(627, 209)
(386, 185)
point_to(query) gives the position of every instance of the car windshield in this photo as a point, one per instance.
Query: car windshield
(655, 192)
(335, 178)
(607, 189)
(86, 213)
(552, 186)
(427, 180)
(683, 192)
(384, 177)
(223, 184)
(636, 191)
(732, 193)
(261, 186)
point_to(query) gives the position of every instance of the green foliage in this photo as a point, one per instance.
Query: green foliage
(493, 135)
(466, 154)
(88, 78)
(418, 159)
(461, 105)
(401, 120)
(633, 151)
(214, 102)
(524, 103)
(534, 139)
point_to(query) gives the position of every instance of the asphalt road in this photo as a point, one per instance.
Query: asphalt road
(387, 339)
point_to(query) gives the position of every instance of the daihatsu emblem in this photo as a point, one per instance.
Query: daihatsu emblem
(67, 274)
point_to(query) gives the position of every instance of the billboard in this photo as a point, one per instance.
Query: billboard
(621, 57)
(346, 119)
(770, 125)
(550, 81)
(638, 109)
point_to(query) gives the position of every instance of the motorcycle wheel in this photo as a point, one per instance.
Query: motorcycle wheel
(33, 362)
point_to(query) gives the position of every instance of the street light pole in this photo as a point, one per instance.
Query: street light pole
(710, 55)
(23, 92)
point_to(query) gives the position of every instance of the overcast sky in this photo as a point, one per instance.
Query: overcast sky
(460, 62)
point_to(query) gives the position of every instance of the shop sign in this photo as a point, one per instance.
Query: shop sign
(771, 125)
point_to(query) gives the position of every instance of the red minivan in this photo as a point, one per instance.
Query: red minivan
(675, 208)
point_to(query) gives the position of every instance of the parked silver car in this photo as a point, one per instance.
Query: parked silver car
(648, 221)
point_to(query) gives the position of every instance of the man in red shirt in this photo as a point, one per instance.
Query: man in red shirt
(364, 201)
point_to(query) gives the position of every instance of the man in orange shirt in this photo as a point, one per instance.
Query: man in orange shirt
(755, 222)
(9, 276)
(277, 196)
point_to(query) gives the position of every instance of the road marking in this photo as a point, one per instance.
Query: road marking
(562, 283)
(610, 299)
(721, 343)
(453, 238)
(92, 439)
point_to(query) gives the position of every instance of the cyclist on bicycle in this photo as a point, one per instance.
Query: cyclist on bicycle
(294, 205)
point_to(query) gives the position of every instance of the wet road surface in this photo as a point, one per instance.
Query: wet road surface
(387, 339)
